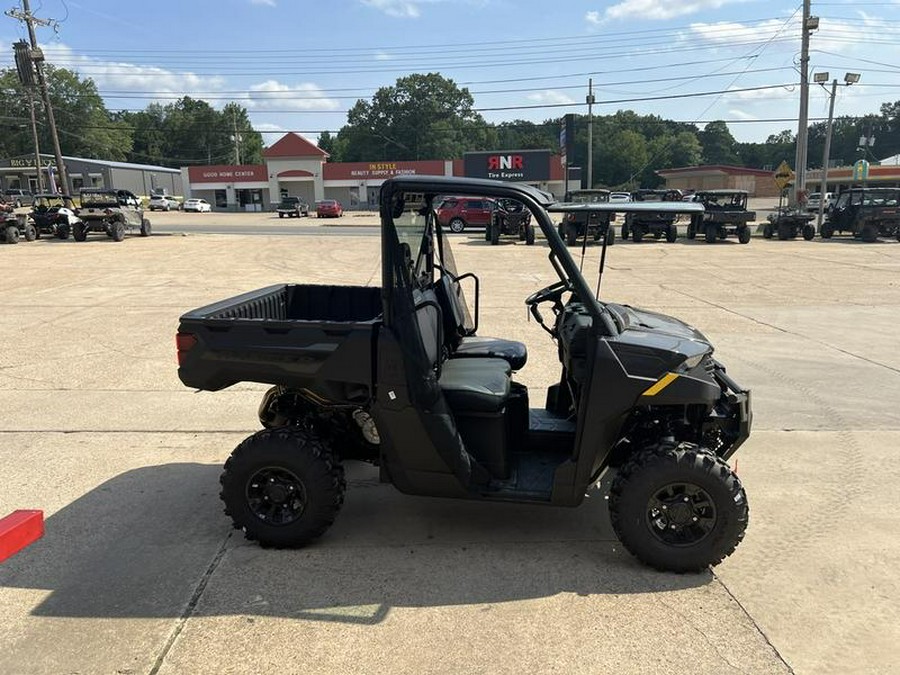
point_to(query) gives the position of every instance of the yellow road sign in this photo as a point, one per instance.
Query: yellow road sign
(783, 176)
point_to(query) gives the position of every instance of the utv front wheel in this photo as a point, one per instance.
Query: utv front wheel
(672, 233)
(283, 487)
(146, 228)
(744, 234)
(79, 231)
(678, 508)
(712, 233)
(529, 234)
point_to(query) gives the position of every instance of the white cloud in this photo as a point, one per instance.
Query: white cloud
(275, 95)
(742, 115)
(550, 96)
(121, 75)
(402, 9)
(659, 10)
(383, 56)
(267, 3)
(725, 32)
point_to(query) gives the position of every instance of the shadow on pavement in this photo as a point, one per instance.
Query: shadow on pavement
(139, 545)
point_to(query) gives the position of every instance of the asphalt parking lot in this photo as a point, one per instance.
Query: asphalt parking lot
(140, 572)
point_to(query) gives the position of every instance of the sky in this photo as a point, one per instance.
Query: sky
(299, 65)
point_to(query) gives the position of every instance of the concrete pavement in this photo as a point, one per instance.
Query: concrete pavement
(140, 572)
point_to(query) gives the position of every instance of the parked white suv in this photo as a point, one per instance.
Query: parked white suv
(163, 203)
(812, 202)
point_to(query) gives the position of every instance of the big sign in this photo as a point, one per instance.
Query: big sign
(511, 165)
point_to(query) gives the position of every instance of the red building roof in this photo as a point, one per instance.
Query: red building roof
(716, 168)
(294, 145)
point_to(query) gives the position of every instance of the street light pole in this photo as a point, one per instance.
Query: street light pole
(590, 153)
(810, 23)
(821, 78)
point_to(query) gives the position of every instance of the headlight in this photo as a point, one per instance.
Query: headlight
(691, 362)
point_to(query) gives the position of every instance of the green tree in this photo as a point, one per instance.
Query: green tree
(420, 117)
(719, 146)
(327, 143)
(85, 127)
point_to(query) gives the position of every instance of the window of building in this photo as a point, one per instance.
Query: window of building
(221, 199)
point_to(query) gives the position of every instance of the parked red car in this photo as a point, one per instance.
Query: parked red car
(329, 208)
(458, 213)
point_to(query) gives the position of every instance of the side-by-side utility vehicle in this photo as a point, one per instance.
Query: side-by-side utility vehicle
(579, 225)
(725, 214)
(54, 215)
(657, 224)
(866, 213)
(398, 376)
(111, 212)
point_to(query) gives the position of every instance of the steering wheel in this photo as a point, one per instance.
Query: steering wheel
(552, 292)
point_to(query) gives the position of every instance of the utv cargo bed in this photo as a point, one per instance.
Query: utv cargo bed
(319, 338)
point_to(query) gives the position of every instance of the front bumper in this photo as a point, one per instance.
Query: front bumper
(733, 413)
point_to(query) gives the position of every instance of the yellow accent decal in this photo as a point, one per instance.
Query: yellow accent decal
(661, 384)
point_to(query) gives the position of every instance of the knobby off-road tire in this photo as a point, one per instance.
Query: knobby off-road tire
(743, 234)
(610, 235)
(809, 231)
(767, 231)
(869, 234)
(146, 228)
(30, 233)
(678, 508)
(827, 232)
(117, 231)
(494, 229)
(11, 236)
(63, 231)
(79, 231)
(672, 234)
(711, 234)
(637, 234)
(571, 235)
(283, 487)
(529, 234)
(626, 231)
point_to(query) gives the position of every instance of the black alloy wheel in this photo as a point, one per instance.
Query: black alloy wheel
(276, 496)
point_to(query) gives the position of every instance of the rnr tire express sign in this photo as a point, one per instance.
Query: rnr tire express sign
(511, 165)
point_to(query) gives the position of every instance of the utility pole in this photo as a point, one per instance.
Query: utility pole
(821, 78)
(590, 153)
(810, 23)
(38, 57)
(37, 146)
(237, 138)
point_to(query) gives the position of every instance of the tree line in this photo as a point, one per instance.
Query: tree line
(421, 116)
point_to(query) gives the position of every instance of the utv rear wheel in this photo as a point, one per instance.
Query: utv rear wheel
(457, 225)
(79, 231)
(62, 232)
(678, 508)
(146, 229)
(30, 233)
(672, 233)
(610, 235)
(809, 231)
(117, 230)
(712, 233)
(12, 235)
(869, 234)
(571, 235)
(529, 234)
(283, 487)
(494, 229)
(637, 234)
(744, 234)
(827, 232)
(767, 231)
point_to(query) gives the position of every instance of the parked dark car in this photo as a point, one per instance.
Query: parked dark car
(866, 213)
(293, 207)
(329, 208)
